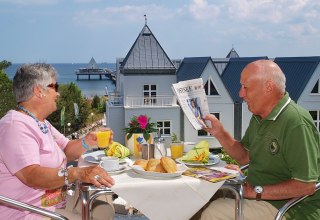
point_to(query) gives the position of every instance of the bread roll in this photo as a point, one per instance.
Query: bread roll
(168, 164)
(154, 165)
(142, 163)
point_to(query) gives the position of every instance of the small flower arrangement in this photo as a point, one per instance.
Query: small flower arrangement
(140, 124)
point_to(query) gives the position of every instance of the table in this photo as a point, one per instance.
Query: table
(160, 198)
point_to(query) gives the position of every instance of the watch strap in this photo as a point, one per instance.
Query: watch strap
(258, 196)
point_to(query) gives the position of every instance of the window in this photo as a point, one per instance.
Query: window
(150, 91)
(209, 88)
(165, 127)
(316, 89)
(316, 118)
(204, 133)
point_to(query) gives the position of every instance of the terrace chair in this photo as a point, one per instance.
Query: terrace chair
(31, 208)
(282, 211)
(291, 203)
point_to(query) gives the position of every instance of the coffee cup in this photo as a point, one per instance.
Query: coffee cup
(109, 163)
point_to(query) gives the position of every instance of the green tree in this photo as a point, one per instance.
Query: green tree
(103, 105)
(95, 102)
(99, 103)
(7, 100)
(4, 64)
(70, 94)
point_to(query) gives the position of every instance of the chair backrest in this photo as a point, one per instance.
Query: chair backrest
(282, 211)
(31, 208)
(291, 203)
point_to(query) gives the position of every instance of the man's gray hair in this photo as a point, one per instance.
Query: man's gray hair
(30, 75)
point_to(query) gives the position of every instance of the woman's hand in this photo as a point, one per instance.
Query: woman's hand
(91, 137)
(92, 174)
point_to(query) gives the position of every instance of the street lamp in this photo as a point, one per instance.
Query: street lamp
(92, 114)
(69, 124)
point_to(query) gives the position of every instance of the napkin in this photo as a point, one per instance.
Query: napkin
(117, 150)
(200, 153)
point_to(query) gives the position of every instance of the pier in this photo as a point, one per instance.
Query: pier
(93, 70)
(96, 73)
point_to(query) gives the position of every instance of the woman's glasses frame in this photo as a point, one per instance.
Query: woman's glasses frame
(54, 86)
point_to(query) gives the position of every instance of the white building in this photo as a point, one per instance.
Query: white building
(146, 74)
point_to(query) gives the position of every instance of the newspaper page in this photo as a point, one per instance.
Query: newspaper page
(193, 101)
(211, 175)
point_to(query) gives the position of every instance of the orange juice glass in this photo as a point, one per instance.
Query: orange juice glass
(103, 138)
(176, 149)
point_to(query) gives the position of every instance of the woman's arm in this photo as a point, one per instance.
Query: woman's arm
(39, 177)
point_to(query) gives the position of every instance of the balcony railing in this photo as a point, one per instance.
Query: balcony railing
(115, 99)
(157, 101)
(140, 101)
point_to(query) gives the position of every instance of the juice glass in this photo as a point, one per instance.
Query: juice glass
(103, 138)
(176, 149)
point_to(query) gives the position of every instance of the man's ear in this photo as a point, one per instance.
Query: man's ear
(269, 86)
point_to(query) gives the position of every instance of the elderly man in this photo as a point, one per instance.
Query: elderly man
(281, 145)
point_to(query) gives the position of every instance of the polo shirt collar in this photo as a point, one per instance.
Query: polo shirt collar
(277, 109)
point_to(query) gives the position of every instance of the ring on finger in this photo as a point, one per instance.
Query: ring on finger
(97, 177)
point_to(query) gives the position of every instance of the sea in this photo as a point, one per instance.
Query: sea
(66, 74)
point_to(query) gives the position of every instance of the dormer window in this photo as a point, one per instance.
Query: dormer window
(316, 89)
(209, 88)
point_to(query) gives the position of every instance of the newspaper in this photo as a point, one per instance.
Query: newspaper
(193, 101)
(210, 174)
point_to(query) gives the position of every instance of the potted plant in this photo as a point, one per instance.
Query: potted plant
(139, 131)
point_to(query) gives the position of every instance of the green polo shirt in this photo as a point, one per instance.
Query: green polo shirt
(284, 146)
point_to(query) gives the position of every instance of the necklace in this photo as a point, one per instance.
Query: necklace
(43, 126)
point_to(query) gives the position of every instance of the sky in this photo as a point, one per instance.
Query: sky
(73, 31)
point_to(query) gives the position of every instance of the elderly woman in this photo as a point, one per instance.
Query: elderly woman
(33, 154)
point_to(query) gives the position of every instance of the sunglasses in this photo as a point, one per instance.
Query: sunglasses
(54, 86)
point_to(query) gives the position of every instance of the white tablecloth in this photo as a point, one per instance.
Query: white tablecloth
(177, 198)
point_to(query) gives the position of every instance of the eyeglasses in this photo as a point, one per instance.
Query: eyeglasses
(54, 86)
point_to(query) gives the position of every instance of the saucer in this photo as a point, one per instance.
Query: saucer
(120, 170)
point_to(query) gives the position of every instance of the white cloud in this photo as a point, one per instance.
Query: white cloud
(118, 15)
(201, 10)
(268, 18)
(297, 5)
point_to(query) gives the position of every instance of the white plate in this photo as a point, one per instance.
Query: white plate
(121, 169)
(212, 161)
(96, 156)
(181, 168)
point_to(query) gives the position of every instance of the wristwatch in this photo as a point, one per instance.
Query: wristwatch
(259, 191)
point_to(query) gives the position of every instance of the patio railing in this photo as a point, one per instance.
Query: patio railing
(157, 101)
(141, 101)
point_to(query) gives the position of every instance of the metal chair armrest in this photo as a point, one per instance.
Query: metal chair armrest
(291, 203)
(244, 167)
(31, 208)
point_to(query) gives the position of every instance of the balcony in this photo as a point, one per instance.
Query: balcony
(140, 101)
(115, 99)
